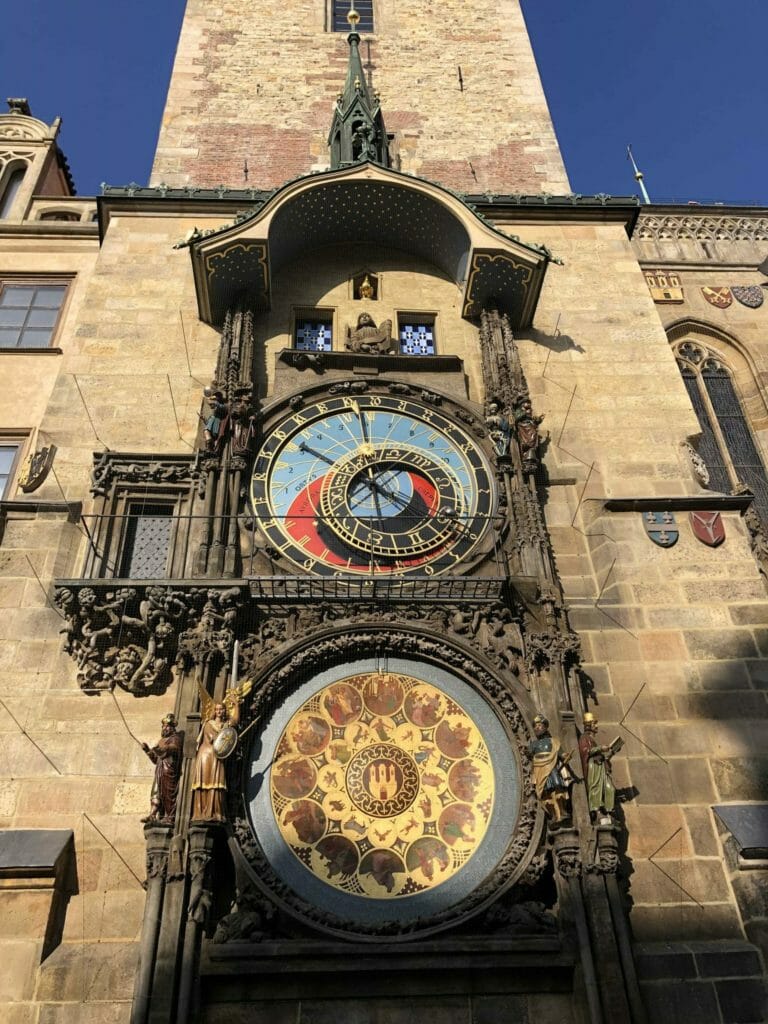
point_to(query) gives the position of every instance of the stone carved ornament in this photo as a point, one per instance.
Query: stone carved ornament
(703, 227)
(367, 338)
(347, 646)
(110, 467)
(131, 636)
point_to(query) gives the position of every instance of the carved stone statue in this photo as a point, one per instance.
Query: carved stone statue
(209, 782)
(552, 778)
(215, 426)
(369, 339)
(166, 756)
(596, 764)
(242, 424)
(527, 430)
(499, 427)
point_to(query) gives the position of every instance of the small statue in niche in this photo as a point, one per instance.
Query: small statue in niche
(365, 290)
(552, 778)
(364, 139)
(217, 740)
(242, 425)
(499, 427)
(166, 757)
(596, 764)
(217, 422)
(369, 339)
(527, 430)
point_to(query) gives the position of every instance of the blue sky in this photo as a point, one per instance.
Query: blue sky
(683, 80)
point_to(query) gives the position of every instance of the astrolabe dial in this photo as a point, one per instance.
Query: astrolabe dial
(372, 484)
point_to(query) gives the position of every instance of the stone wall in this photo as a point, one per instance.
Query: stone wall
(251, 84)
(673, 640)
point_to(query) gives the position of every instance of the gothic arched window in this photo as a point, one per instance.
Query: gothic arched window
(727, 444)
(11, 189)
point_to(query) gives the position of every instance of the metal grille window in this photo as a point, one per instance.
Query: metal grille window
(727, 444)
(417, 337)
(313, 335)
(147, 541)
(29, 313)
(340, 9)
(9, 453)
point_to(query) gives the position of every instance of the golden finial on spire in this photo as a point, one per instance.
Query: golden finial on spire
(353, 18)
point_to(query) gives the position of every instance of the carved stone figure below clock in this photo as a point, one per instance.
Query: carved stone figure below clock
(372, 484)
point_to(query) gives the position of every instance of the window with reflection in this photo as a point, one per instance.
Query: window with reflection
(9, 457)
(29, 313)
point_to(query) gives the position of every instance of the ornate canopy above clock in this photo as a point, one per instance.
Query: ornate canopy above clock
(371, 204)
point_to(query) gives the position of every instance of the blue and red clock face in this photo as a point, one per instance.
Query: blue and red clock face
(372, 484)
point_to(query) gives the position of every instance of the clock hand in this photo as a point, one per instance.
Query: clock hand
(374, 491)
(318, 455)
(363, 424)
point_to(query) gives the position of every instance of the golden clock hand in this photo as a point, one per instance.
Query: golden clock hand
(361, 417)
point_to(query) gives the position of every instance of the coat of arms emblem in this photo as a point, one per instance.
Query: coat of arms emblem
(748, 295)
(661, 528)
(708, 527)
(720, 297)
(36, 468)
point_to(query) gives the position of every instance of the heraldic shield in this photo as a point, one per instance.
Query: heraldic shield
(708, 527)
(661, 528)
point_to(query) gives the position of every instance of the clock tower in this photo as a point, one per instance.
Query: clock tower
(391, 558)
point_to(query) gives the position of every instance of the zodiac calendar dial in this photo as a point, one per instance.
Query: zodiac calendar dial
(382, 786)
(372, 484)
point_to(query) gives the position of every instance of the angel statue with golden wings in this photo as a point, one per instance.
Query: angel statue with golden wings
(217, 740)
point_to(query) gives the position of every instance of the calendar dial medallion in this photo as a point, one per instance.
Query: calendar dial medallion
(372, 484)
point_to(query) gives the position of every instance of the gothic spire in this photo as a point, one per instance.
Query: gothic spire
(357, 130)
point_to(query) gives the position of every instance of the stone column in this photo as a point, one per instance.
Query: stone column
(202, 839)
(158, 839)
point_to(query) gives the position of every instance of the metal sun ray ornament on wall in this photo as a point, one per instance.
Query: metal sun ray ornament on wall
(661, 528)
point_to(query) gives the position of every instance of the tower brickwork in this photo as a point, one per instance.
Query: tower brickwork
(255, 83)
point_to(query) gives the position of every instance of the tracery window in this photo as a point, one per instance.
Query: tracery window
(727, 444)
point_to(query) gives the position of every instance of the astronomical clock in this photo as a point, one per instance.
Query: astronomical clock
(372, 484)
(386, 788)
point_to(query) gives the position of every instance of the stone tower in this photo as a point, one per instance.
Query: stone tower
(256, 84)
(362, 463)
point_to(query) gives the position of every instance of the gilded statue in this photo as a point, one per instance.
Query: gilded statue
(596, 763)
(216, 741)
(552, 778)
